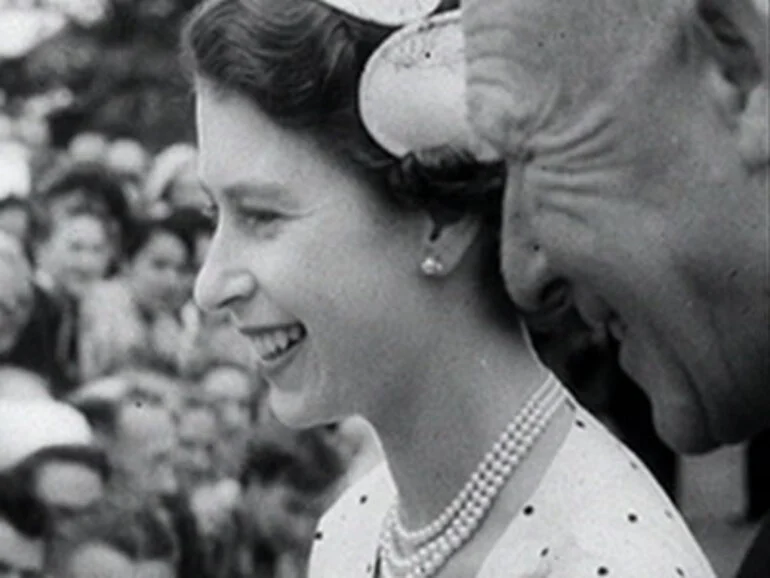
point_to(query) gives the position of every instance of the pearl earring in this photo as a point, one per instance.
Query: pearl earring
(431, 266)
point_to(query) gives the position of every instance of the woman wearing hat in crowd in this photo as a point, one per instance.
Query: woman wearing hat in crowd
(356, 247)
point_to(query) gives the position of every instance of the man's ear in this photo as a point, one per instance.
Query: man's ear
(734, 36)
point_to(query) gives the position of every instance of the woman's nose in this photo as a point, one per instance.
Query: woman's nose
(220, 286)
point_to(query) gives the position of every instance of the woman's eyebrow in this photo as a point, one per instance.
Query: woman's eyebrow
(267, 191)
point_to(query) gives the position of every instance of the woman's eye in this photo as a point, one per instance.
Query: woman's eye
(258, 218)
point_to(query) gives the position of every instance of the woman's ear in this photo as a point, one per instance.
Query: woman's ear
(447, 241)
(734, 37)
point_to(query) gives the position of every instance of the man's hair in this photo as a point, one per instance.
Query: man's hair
(20, 508)
(96, 181)
(102, 414)
(46, 226)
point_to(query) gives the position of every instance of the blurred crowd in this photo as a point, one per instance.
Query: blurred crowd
(134, 435)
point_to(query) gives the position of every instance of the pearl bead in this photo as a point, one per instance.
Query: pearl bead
(432, 545)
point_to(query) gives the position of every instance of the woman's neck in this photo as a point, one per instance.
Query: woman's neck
(465, 402)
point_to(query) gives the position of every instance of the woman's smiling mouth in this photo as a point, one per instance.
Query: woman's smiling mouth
(273, 343)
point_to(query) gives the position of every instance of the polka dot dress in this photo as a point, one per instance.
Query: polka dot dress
(597, 512)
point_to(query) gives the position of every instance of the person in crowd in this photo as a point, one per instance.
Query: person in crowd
(30, 319)
(129, 161)
(639, 158)
(17, 218)
(88, 147)
(90, 187)
(48, 447)
(172, 182)
(364, 268)
(288, 481)
(23, 531)
(141, 441)
(133, 318)
(198, 437)
(16, 293)
(21, 433)
(229, 390)
(71, 481)
(72, 256)
(120, 542)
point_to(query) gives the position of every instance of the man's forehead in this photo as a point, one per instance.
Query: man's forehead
(535, 67)
(141, 421)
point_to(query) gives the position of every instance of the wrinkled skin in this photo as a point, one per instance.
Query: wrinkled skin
(635, 134)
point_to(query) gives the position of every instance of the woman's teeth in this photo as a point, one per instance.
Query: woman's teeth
(271, 345)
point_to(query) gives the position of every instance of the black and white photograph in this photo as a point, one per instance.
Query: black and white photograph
(384, 288)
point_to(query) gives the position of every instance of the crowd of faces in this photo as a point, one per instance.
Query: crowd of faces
(184, 466)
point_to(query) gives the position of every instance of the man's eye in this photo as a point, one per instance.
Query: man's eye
(723, 30)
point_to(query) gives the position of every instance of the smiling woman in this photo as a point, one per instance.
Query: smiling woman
(368, 282)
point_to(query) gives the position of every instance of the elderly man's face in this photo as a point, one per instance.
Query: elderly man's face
(636, 139)
(144, 451)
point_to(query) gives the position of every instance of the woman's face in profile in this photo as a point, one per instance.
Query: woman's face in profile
(318, 272)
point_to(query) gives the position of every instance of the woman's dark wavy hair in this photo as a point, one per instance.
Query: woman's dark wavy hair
(300, 61)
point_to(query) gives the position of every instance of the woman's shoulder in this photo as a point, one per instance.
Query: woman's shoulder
(347, 536)
(598, 512)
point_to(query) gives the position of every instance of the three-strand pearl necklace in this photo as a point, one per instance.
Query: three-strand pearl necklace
(423, 552)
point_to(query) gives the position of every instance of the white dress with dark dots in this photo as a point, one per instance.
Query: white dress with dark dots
(597, 512)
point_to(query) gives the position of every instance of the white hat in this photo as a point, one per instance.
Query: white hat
(412, 91)
(27, 426)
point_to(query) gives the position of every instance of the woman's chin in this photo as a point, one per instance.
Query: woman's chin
(291, 410)
(299, 395)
